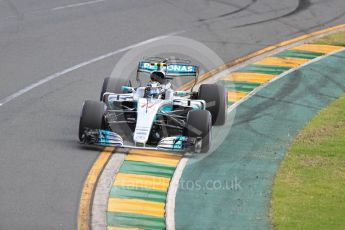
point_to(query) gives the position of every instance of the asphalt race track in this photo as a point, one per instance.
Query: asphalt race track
(42, 165)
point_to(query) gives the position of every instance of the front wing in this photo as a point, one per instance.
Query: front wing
(101, 137)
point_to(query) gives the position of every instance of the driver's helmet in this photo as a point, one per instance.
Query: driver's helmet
(158, 76)
(153, 90)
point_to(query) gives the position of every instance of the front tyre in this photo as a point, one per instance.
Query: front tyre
(216, 98)
(199, 124)
(92, 116)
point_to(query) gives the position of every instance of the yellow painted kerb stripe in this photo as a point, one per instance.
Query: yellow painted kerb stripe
(153, 157)
(235, 95)
(89, 186)
(155, 160)
(155, 153)
(136, 206)
(318, 48)
(279, 61)
(119, 228)
(249, 77)
(142, 181)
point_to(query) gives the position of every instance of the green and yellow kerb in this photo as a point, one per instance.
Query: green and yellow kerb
(242, 82)
(138, 196)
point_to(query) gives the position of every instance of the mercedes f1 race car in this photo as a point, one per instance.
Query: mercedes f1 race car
(154, 116)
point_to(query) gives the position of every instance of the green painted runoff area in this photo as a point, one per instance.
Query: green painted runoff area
(263, 128)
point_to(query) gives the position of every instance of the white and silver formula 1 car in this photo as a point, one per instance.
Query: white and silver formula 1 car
(154, 116)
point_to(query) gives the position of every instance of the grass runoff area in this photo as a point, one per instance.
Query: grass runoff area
(309, 189)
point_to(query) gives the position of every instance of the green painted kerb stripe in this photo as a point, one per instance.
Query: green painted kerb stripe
(299, 54)
(129, 220)
(240, 86)
(266, 69)
(136, 167)
(138, 193)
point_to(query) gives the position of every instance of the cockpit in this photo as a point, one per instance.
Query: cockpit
(153, 90)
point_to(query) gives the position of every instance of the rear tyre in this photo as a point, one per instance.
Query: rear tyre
(112, 85)
(199, 124)
(216, 98)
(92, 116)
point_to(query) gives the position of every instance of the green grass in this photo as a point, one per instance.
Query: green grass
(337, 39)
(309, 189)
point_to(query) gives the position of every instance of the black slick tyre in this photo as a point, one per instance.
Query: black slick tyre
(199, 124)
(216, 98)
(92, 116)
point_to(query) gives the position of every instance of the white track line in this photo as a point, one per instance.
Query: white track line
(78, 66)
(77, 5)
(171, 197)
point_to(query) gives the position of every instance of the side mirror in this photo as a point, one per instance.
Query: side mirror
(180, 93)
(127, 89)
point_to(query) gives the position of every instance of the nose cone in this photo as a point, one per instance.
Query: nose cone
(147, 110)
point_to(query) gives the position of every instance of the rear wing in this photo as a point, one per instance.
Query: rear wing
(170, 69)
(182, 70)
